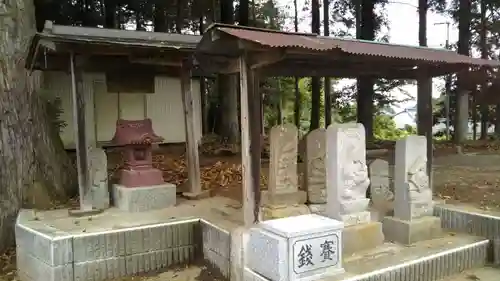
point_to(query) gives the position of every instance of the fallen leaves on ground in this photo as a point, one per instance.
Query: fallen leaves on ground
(8, 265)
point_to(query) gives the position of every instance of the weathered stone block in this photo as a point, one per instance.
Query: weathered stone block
(32, 268)
(291, 198)
(409, 232)
(319, 209)
(52, 250)
(217, 261)
(150, 261)
(160, 237)
(215, 239)
(140, 199)
(102, 269)
(283, 159)
(315, 166)
(98, 166)
(96, 246)
(361, 237)
(356, 218)
(295, 248)
(381, 194)
(283, 211)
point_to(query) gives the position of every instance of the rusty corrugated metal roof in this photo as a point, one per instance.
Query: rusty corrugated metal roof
(275, 39)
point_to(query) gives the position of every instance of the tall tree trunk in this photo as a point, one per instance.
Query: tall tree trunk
(243, 13)
(365, 85)
(33, 163)
(179, 20)
(462, 106)
(424, 91)
(110, 17)
(485, 112)
(296, 80)
(328, 95)
(315, 82)
(497, 120)
(228, 125)
(159, 16)
(424, 85)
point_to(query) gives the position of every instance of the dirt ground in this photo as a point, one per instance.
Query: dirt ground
(458, 178)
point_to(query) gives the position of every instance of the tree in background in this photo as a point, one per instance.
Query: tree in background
(315, 81)
(34, 168)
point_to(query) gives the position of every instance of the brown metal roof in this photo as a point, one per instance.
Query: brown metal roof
(276, 39)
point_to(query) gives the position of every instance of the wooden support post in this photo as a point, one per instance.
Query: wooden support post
(248, 182)
(255, 107)
(193, 161)
(81, 140)
(424, 118)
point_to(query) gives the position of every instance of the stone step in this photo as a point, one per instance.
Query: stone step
(423, 261)
(478, 274)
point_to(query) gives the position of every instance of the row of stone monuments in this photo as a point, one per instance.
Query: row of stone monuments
(336, 180)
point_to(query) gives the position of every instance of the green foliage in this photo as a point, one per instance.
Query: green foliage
(54, 110)
(384, 128)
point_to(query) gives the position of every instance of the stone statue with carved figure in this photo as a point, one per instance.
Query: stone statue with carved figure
(354, 172)
(419, 190)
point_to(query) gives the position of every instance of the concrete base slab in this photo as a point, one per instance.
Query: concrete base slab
(141, 199)
(53, 246)
(270, 212)
(84, 213)
(409, 232)
(362, 237)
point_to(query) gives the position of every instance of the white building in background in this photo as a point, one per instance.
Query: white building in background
(104, 108)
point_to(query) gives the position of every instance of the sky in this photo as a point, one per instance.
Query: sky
(403, 29)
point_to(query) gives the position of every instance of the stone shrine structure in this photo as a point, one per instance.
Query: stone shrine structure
(283, 197)
(315, 172)
(306, 247)
(136, 137)
(413, 204)
(346, 182)
(141, 186)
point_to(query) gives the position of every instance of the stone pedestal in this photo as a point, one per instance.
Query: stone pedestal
(304, 247)
(361, 237)
(409, 232)
(270, 212)
(141, 199)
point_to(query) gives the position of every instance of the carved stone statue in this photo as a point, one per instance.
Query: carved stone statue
(356, 180)
(354, 169)
(417, 176)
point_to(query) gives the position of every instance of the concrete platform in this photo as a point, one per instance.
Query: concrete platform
(53, 246)
(427, 261)
(478, 274)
